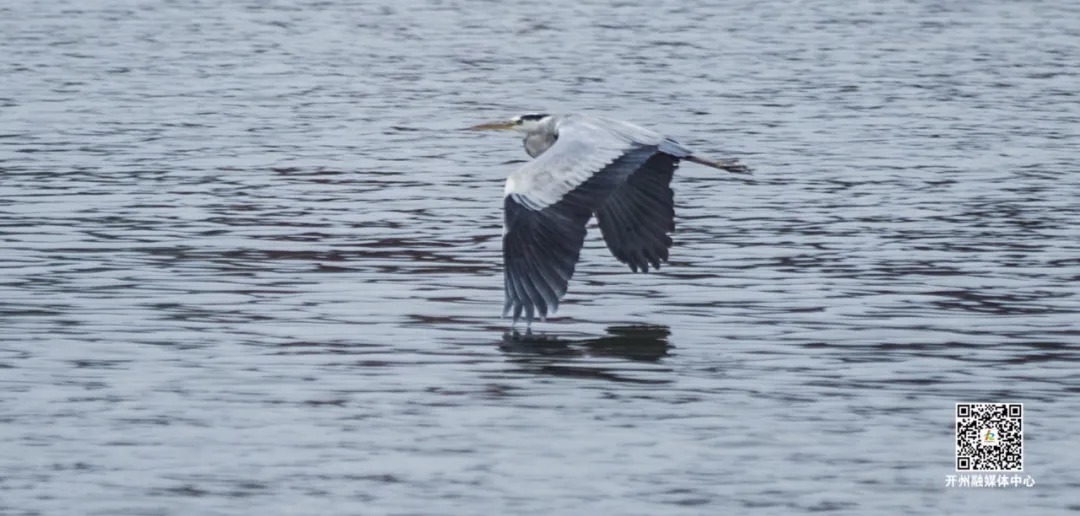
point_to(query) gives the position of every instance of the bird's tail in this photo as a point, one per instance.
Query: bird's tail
(731, 165)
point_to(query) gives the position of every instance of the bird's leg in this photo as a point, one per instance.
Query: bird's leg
(730, 165)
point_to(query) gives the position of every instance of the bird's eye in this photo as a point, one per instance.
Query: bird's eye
(518, 122)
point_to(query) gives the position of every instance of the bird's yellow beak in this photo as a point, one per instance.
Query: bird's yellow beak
(492, 126)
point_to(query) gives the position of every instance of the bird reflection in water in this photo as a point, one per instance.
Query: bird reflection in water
(560, 356)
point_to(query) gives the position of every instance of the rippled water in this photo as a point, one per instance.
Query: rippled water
(250, 266)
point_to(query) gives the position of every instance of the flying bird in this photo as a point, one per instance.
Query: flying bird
(585, 166)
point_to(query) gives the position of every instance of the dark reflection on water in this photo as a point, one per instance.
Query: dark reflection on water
(641, 342)
(556, 356)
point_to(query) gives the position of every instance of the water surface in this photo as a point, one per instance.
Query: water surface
(248, 264)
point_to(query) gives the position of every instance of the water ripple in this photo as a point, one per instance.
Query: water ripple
(248, 262)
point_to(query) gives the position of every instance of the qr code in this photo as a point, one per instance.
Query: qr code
(989, 437)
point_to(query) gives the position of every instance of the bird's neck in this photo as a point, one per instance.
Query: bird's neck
(538, 142)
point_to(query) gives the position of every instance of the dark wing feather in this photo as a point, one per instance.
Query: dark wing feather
(639, 216)
(541, 246)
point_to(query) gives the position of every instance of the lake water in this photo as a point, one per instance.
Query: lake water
(249, 264)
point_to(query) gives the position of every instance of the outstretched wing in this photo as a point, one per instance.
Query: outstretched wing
(550, 199)
(639, 216)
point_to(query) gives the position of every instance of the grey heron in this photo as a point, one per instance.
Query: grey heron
(585, 166)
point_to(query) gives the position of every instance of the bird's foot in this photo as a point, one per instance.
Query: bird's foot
(730, 165)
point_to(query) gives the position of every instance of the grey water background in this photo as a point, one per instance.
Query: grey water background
(250, 265)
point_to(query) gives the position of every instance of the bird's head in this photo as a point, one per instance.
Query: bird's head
(523, 124)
